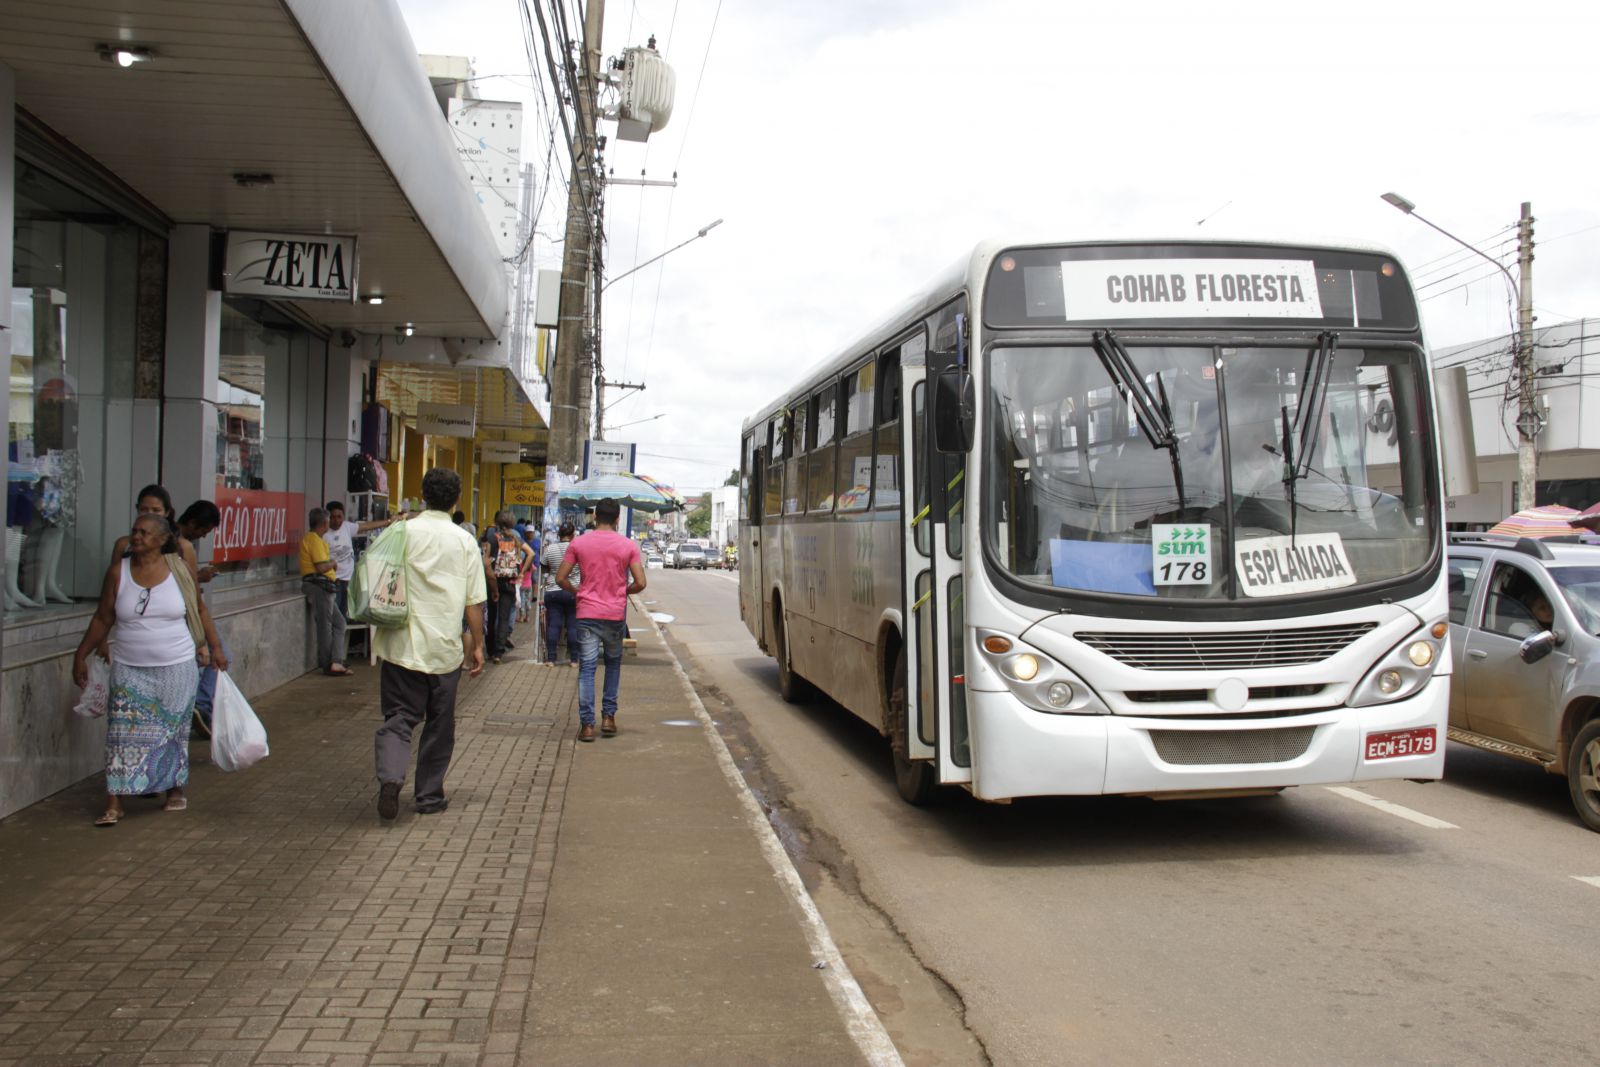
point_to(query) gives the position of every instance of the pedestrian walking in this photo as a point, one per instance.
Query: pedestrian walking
(150, 603)
(525, 597)
(506, 558)
(612, 572)
(317, 582)
(560, 606)
(422, 660)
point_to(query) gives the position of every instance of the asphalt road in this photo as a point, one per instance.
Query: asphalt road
(1452, 926)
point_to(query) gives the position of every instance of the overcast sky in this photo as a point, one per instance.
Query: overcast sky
(857, 149)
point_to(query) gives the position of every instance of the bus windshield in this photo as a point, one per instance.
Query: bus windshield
(1208, 472)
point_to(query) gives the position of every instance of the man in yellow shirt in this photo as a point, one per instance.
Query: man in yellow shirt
(422, 660)
(317, 582)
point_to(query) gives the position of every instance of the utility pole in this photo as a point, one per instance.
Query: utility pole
(1530, 420)
(571, 389)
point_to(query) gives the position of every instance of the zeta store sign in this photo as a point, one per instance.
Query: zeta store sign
(290, 265)
(447, 420)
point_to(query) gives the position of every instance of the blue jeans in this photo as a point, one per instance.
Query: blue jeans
(593, 636)
(560, 617)
(206, 692)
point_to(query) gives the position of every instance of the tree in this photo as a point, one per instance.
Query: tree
(733, 477)
(699, 520)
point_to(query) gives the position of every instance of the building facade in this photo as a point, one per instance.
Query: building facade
(242, 249)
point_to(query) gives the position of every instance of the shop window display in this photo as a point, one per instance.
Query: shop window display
(76, 296)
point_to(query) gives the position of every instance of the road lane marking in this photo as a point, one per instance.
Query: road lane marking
(1589, 879)
(866, 1029)
(1393, 809)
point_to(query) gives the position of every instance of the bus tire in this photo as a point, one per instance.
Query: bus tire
(916, 780)
(1583, 774)
(793, 688)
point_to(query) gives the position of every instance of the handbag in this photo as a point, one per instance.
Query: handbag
(97, 694)
(378, 586)
(238, 739)
(191, 596)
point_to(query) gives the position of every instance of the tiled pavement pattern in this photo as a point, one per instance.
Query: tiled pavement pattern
(278, 921)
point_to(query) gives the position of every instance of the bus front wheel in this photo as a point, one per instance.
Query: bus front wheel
(915, 780)
(793, 688)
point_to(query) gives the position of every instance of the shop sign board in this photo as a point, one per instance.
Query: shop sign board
(500, 451)
(447, 420)
(257, 524)
(523, 491)
(607, 457)
(298, 266)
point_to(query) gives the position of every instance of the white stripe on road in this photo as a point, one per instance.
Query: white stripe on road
(866, 1029)
(1588, 879)
(1393, 809)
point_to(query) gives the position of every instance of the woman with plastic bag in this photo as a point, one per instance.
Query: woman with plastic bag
(162, 631)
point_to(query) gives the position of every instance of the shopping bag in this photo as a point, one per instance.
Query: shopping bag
(97, 694)
(378, 586)
(238, 739)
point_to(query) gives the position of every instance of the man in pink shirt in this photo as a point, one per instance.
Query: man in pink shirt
(612, 571)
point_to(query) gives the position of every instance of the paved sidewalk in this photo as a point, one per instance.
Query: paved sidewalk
(577, 904)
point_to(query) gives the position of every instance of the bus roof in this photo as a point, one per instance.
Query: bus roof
(955, 278)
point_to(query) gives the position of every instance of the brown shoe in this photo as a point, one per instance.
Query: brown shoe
(608, 726)
(586, 732)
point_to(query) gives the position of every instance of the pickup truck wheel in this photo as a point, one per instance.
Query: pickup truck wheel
(1583, 774)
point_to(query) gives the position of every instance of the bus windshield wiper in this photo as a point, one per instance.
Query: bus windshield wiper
(1297, 442)
(1152, 413)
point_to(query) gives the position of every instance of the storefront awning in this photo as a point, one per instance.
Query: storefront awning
(503, 413)
(329, 100)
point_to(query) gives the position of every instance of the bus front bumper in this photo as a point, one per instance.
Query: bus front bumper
(1021, 752)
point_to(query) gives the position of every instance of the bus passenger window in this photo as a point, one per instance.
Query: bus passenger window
(819, 464)
(886, 454)
(794, 470)
(854, 478)
(772, 502)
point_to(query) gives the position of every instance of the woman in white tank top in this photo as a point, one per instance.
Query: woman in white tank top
(154, 669)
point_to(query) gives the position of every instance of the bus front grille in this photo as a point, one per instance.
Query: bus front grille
(1191, 748)
(1226, 651)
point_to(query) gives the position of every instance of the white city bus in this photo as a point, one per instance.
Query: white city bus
(1137, 518)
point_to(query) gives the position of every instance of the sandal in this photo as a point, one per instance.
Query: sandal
(110, 818)
(177, 803)
(342, 672)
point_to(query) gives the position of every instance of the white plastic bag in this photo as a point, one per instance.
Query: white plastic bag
(97, 694)
(238, 739)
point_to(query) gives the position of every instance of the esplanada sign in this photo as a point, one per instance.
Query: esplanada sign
(295, 266)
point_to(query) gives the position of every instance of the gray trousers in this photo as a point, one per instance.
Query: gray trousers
(407, 698)
(329, 623)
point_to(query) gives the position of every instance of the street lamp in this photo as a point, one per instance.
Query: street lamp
(707, 228)
(1529, 421)
(636, 422)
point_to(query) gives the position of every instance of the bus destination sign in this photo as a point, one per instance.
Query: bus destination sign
(1097, 289)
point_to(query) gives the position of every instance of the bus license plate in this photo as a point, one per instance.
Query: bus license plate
(1397, 743)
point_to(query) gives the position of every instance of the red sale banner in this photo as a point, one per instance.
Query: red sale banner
(257, 524)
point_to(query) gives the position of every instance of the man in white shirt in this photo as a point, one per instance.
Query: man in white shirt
(340, 536)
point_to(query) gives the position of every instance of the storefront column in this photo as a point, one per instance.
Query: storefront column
(342, 426)
(193, 363)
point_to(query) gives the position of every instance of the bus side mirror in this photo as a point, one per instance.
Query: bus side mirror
(954, 411)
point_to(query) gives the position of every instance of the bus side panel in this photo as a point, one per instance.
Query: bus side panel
(810, 552)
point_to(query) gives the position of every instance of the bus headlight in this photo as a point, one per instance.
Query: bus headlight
(1403, 671)
(1037, 680)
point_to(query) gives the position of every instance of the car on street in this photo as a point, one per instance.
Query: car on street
(1525, 649)
(654, 561)
(691, 557)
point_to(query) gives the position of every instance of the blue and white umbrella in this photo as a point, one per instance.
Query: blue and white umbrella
(630, 490)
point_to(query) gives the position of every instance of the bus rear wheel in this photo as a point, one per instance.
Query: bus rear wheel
(793, 688)
(915, 780)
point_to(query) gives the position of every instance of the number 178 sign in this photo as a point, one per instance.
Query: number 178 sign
(1181, 553)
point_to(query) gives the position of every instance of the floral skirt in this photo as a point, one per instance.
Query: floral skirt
(147, 727)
